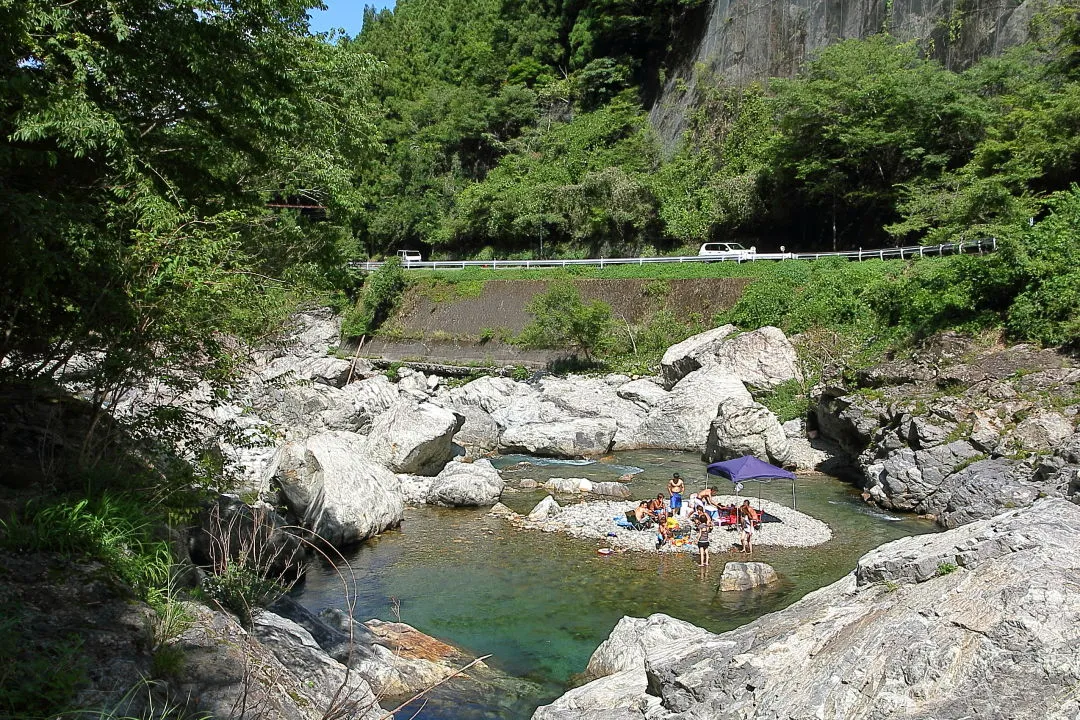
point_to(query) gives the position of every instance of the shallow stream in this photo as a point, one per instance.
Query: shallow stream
(541, 603)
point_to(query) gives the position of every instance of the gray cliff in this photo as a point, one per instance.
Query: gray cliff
(745, 41)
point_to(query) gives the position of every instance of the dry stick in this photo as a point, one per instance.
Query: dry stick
(356, 356)
(429, 688)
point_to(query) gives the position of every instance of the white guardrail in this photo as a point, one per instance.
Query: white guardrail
(901, 253)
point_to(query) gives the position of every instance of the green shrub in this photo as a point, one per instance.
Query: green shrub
(562, 320)
(382, 291)
(787, 401)
(242, 589)
(110, 528)
(946, 567)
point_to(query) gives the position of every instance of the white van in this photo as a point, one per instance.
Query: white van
(726, 251)
(408, 257)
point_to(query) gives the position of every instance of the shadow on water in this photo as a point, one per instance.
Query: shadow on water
(540, 603)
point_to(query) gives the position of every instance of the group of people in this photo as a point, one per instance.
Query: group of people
(699, 515)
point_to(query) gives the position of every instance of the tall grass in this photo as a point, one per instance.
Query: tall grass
(112, 528)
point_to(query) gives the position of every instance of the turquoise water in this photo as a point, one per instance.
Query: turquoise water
(540, 603)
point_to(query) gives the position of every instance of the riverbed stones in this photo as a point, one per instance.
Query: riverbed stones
(982, 621)
(568, 486)
(746, 576)
(334, 491)
(689, 355)
(465, 484)
(414, 438)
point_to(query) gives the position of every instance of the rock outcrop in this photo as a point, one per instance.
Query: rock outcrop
(957, 431)
(981, 621)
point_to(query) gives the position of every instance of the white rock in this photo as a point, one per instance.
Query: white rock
(411, 438)
(681, 420)
(544, 510)
(645, 392)
(684, 358)
(466, 484)
(747, 429)
(746, 575)
(573, 438)
(611, 489)
(763, 358)
(338, 494)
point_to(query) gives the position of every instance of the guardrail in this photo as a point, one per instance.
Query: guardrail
(901, 253)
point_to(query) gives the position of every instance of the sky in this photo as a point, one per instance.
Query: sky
(347, 14)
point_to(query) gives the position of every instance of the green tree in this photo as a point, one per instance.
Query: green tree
(863, 117)
(561, 319)
(135, 177)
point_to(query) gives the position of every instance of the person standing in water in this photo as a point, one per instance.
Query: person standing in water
(704, 528)
(675, 488)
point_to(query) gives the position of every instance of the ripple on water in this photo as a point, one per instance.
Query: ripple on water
(542, 602)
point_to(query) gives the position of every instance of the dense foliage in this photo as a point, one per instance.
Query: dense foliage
(137, 175)
(518, 128)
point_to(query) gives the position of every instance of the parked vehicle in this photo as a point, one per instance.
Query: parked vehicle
(408, 257)
(726, 251)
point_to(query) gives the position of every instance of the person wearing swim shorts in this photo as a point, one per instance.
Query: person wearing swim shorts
(676, 487)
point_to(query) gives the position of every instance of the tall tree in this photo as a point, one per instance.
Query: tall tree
(140, 144)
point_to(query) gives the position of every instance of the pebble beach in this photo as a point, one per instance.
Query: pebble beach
(596, 521)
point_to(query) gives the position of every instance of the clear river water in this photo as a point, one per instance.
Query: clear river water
(540, 603)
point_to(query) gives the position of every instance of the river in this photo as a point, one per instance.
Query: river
(541, 603)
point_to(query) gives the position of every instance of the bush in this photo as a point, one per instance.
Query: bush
(562, 320)
(382, 290)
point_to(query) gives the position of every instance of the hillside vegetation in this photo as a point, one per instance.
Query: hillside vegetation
(517, 128)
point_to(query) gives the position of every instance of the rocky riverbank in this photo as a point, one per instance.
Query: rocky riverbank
(978, 622)
(596, 520)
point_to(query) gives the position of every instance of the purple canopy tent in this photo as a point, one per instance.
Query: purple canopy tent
(749, 467)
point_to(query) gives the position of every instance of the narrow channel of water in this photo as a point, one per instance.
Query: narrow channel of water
(541, 603)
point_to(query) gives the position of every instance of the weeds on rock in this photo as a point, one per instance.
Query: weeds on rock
(946, 567)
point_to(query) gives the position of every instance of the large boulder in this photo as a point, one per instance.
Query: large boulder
(763, 358)
(466, 484)
(476, 401)
(681, 419)
(634, 638)
(978, 622)
(334, 491)
(413, 438)
(322, 675)
(645, 392)
(746, 576)
(684, 358)
(592, 397)
(370, 398)
(582, 437)
(746, 428)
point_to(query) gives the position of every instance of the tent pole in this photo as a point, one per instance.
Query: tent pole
(793, 495)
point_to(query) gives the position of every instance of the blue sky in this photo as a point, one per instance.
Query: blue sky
(348, 14)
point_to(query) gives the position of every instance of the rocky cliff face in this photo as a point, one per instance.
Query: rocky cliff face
(746, 41)
(978, 622)
(958, 431)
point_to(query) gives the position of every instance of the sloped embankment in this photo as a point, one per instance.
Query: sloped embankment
(441, 323)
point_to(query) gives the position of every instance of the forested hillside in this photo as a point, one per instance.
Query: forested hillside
(518, 128)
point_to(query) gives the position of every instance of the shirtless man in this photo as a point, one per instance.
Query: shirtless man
(657, 505)
(676, 487)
